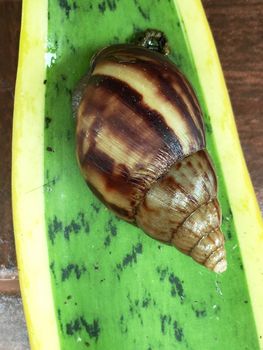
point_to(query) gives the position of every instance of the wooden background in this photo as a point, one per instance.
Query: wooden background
(238, 31)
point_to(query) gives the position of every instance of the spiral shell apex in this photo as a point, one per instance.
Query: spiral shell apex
(141, 149)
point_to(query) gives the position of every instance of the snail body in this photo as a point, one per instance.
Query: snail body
(141, 149)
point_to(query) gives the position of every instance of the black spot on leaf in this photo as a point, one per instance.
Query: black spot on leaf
(130, 258)
(95, 207)
(176, 283)
(112, 5)
(123, 325)
(72, 268)
(199, 310)
(178, 332)
(146, 302)
(76, 225)
(162, 273)
(69, 92)
(228, 220)
(102, 6)
(84, 222)
(50, 149)
(73, 327)
(112, 227)
(200, 313)
(73, 227)
(135, 308)
(93, 329)
(177, 286)
(165, 321)
(208, 128)
(72, 48)
(52, 268)
(69, 135)
(144, 13)
(57, 87)
(75, 6)
(229, 234)
(60, 321)
(47, 122)
(173, 291)
(54, 228)
(107, 241)
(65, 6)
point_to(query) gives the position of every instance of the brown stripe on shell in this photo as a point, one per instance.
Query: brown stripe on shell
(101, 161)
(123, 124)
(134, 101)
(121, 212)
(190, 93)
(79, 141)
(155, 66)
(163, 81)
(116, 178)
(107, 112)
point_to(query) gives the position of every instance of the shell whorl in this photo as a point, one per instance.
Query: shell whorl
(139, 123)
(181, 209)
(137, 116)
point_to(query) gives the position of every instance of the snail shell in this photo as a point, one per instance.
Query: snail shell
(141, 149)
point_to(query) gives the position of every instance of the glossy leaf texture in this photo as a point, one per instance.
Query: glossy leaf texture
(113, 286)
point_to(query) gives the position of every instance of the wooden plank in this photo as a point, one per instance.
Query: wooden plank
(10, 16)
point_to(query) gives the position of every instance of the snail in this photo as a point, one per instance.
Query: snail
(141, 148)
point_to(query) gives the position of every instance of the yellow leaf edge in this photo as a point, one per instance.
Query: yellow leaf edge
(27, 185)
